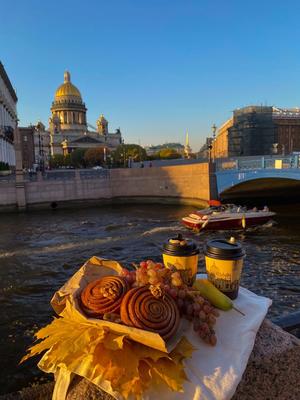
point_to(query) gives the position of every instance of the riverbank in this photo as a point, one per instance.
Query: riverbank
(183, 184)
(79, 204)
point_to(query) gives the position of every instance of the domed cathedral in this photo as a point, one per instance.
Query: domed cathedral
(68, 123)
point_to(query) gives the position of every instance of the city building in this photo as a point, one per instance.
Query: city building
(68, 124)
(253, 131)
(258, 130)
(35, 145)
(287, 122)
(42, 150)
(220, 143)
(27, 146)
(8, 118)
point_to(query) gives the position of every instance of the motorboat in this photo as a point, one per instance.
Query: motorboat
(226, 216)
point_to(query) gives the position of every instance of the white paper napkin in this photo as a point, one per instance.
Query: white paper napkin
(215, 372)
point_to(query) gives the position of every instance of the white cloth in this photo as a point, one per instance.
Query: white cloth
(215, 372)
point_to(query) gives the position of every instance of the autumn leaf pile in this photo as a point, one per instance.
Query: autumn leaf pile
(106, 357)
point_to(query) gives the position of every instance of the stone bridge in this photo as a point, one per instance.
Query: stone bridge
(263, 176)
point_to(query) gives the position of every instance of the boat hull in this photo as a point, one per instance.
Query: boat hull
(228, 224)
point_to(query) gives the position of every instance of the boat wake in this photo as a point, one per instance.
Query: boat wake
(267, 225)
(114, 227)
(159, 229)
(57, 248)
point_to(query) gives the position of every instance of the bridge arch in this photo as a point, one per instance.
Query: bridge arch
(265, 187)
(259, 176)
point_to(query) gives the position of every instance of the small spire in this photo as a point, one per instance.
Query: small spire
(67, 77)
(187, 139)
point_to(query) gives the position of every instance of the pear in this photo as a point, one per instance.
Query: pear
(214, 296)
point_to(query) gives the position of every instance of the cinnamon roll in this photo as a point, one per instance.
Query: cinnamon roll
(139, 308)
(103, 296)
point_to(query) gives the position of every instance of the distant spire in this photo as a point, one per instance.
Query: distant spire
(187, 149)
(187, 139)
(67, 77)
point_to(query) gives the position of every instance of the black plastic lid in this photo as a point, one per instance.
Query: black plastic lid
(224, 249)
(178, 246)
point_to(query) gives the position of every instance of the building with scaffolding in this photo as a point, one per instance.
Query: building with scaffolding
(258, 130)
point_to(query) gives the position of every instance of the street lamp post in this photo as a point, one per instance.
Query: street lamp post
(214, 130)
(42, 154)
(111, 160)
(40, 159)
(123, 158)
(39, 154)
(209, 148)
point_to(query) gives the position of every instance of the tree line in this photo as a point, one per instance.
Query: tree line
(102, 156)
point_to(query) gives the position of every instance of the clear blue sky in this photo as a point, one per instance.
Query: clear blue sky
(155, 68)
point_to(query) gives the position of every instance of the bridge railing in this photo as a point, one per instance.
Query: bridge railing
(94, 174)
(7, 178)
(58, 175)
(67, 175)
(258, 162)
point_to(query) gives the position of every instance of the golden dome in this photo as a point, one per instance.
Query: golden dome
(67, 89)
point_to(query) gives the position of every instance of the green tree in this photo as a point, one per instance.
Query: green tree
(77, 158)
(95, 156)
(67, 160)
(4, 166)
(193, 156)
(168, 154)
(56, 161)
(124, 152)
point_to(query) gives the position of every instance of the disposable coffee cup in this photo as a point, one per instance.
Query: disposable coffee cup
(224, 263)
(182, 254)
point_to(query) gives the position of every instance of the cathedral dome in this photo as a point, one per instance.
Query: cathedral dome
(67, 90)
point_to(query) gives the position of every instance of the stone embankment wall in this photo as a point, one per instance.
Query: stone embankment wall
(8, 194)
(189, 182)
(66, 190)
(192, 184)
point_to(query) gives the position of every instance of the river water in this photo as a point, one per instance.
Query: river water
(39, 251)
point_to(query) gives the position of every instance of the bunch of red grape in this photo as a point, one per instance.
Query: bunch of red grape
(190, 303)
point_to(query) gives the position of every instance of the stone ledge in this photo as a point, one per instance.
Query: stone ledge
(273, 372)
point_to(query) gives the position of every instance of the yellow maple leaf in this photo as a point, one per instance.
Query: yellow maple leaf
(184, 349)
(100, 355)
(169, 372)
